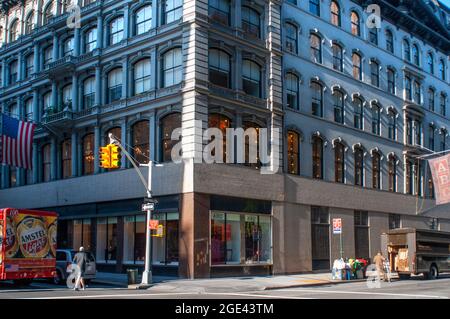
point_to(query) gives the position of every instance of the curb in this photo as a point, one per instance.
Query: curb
(110, 283)
(338, 282)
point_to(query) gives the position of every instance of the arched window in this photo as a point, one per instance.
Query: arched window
(46, 163)
(90, 40)
(392, 172)
(251, 78)
(14, 111)
(375, 73)
(443, 104)
(89, 92)
(48, 56)
(416, 55)
(335, 12)
(409, 178)
(172, 67)
(376, 119)
(14, 31)
(317, 157)
(141, 141)
(249, 156)
(48, 13)
(389, 41)
(316, 48)
(291, 38)
(357, 69)
(143, 20)
(430, 62)
(317, 99)
(358, 113)
(168, 124)
(356, 24)
(47, 100)
(116, 31)
(88, 154)
(219, 11)
(339, 163)
(68, 46)
(431, 99)
(338, 57)
(13, 72)
(114, 85)
(222, 122)
(292, 90)
(392, 125)
(142, 74)
(173, 10)
(376, 170)
(251, 23)
(66, 158)
(359, 166)
(406, 50)
(338, 98)
(67, 95)
(29, 23)
(219, 67)
(293, 141)
(391, 80)
(29, 110)
(29, 65)
(442, 69)
(314, 7)
(373, 36)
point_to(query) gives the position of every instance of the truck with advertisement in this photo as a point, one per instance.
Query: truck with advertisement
(27, 245)
(413, 251)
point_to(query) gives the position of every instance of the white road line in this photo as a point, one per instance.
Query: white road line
(364, 293)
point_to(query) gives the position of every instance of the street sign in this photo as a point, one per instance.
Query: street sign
(148, 206)
(337, 226)
(153, 224)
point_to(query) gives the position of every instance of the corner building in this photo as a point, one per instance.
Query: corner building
(354, 106)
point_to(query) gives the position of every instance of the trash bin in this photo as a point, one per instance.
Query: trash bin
(132, 276)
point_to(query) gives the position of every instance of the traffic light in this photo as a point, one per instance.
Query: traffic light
(105, 156)
(115, 156)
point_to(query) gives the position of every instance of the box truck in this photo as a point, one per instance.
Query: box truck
(27, 245)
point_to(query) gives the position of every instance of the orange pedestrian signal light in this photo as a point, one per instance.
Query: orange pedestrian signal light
(105, 156)
(115, 156)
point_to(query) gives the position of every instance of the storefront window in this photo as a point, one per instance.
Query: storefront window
(165, 248)
(106, 240)
(134, 239)
(229, 230)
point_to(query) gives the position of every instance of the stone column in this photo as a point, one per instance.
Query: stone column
(238, 69)
(154, 69)
(96, 149)
(20, 67)
(55, 96)
(3, 75)
(55, 47)
(237, 14)
(100, 39)
(152, 137)
(36, 68)
(155, 13)
(76, 42)
(124, 77)
(74, 153)
(35, 163)
(53, 158)
(98, 85)
(75, 107)
(126, 21)
(35, 106)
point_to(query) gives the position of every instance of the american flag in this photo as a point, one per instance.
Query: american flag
(16, 142)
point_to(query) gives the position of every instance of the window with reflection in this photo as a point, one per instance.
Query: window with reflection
(221, 122)
(338, 98)
(359, 166)
(116, 31)
(67, 95)
(68, 47)
(219, 67)
(376, 170)
(48, 14)
(391, 80)
(316, 48)
(375, 73)
(338, 57)
(48, 56)
(88, 154)
(293, 159)
(13, 72)
(14, 31)
(292, 91)
(317, 157)
(335, 13)
(356, 24)
(291, 38)
(389, 41)
(430, 62)
(46, 162)
(442, 69)
(29, 23)
(373, 36)
(314, 7)
(251, 22)
(141, 141)
(408, 88)
(29, 110)
(376, 119)
(406, 50)
(443, 104)
(417, 92)
(172, 67)
(317, 99)
(47, 100)
(143, 20)
(114, 85)
(66, 158)
(168, 124)
(392, 174)
(409, 178)
(251, 78)
(415, 55)
(392, 125)
(339, 163)
(357, 69)
(90, 40)
(89, 92)
(116, 132)
(219, 11)
(431, 99)
(142, 74)
(173, 10)
(29, 65)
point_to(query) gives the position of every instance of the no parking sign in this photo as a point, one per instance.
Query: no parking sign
(337, 226)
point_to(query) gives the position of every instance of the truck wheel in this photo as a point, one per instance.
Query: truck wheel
(22, 282)
(434, 272)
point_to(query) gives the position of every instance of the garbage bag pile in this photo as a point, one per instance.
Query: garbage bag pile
(350, 268)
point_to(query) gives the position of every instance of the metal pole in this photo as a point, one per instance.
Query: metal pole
(147, 274)
(340, 244)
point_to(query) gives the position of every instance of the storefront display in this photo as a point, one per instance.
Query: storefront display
(82, 234)
(106, 240)
(165, 248)
(134, 239)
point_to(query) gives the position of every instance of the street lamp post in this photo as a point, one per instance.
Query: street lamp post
(148, 207)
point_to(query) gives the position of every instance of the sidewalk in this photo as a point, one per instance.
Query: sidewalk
(229, 284)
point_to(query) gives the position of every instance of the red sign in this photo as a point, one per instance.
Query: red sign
(337, 226)
(153, 224)
(440, 170)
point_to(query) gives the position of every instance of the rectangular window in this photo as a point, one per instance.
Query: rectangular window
(320, 238)
(392, 171)
(394, 221)
(134, 239)
(362, 234)
(173, 10)
(82, 234)
(314, 7)
(165, 247)
(240, 238)
(106, 240)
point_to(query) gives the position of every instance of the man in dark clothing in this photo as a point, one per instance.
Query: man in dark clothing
(80, 260)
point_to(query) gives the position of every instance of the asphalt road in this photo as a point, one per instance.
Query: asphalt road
(407, 289)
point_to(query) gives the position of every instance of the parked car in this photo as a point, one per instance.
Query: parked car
(64, 258)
